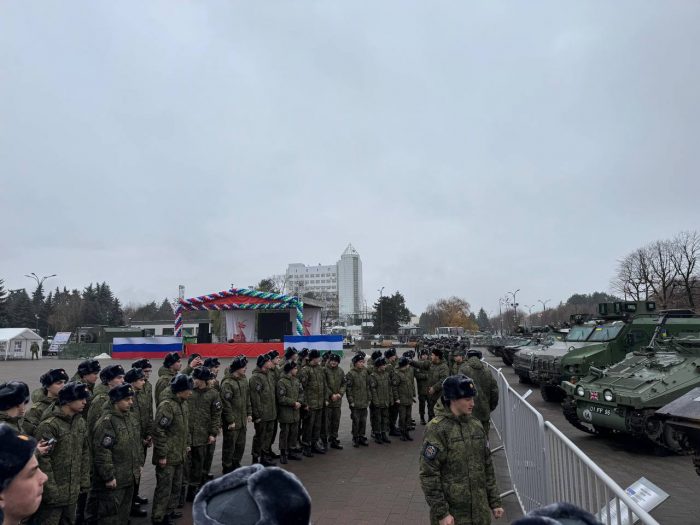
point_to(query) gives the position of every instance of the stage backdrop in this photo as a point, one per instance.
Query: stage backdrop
(315, 342)
(148, 347)
(240, 326)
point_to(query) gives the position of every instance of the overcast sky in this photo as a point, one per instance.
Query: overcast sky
(463, 148)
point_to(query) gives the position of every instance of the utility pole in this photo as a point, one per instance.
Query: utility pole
(515, 308)
(544, 307)
(381, 310)
(529, 314)
(501, 301)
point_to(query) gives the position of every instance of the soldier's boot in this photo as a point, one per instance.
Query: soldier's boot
(407, 436)
(267, 461)
(356, 442)
(394, 431)
(422, 420)
(296, 450)
(384, 438)
(137, 512)
(283, 456)
(191, 493)
(318, 449)
(363, 441)
(175, 515)
(336, 444)
(324, 444)
(273, 455)
(378, 438)
(403, 436)
(140, 501)
(307, 451)
(292, 455)
(255, 459)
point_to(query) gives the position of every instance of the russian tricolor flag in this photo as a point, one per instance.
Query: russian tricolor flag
(147, 347)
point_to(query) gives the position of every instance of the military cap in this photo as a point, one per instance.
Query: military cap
(273, 354)
(334, 357)
(121, 392)
(325, 356)
(202, 373)
(89, 366)
(423, 351)
(15, 451)
(180, 383)
(134, 375)
(12, 394)
(251, 495)
(403, 361)
(289, 366)
(289, 353)
(475, 353)
(237, 363)
(458, 387)
(376, 355)
(72, 392)
(143, 364)
(437, 352)
(409, 353)
(170, 359)
(212, 362)
(262, 359)
(304, 353)
(314, 354)
(558, 514)
(192, 357)
(110, 372)
(360, 352)
(380, 361)
(391, 352)
(357, 358)
(459, 351)
(53, 376)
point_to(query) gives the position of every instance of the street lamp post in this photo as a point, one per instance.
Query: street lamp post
(529, 313)
(501, 301)
(381, 310)
(515, 307)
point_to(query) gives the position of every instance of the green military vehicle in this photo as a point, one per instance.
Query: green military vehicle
(624, 398)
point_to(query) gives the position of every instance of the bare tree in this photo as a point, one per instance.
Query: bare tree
(661, 272)
(684, 255)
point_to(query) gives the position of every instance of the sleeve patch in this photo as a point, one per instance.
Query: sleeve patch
(258, 387)
(164, 421)
(430, 451)
(228, 395)
(107, 441)
(217, 404)
(348, 381)
(282, 391)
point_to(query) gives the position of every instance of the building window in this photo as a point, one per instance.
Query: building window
(149, 332)
(169, 331)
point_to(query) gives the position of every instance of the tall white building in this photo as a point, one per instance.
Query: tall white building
(341, 281)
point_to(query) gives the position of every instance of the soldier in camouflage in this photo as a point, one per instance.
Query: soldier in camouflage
(236, 412)
(290, 398)
(456, 470)
(110, 376)
(116, 445)
(144, 403)
(422, 377)
(313, 381)
(369, 364)
(457, 360)
(204, 424)
(383, 395)
(336, 387)
(87, 374)
(264, 410)
(358, 395)
(213, 364)
(487, 387)
(274, 376)
(67, 463)
(391, 364)
(193, 361)
(166, 373)
(42, 398)
(142, 410)
(439, 371)
(171, 444)
(14, 397)
(405, 397)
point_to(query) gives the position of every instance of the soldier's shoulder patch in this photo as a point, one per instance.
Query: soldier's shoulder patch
(228, 395)
(430, 451)
(348, 380)
(258, 387)
(164, 421)
(282, 391)
(107, 441)
(217, 404)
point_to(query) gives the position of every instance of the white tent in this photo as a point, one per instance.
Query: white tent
(16, 343)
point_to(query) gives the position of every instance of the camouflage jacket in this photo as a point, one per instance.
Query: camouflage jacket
(456, 470)
(405, 390)
(383, 391)
(335, 384)
(438, 373)
(486, 399)
(99, 406)
(289, 391)
(313, 380)
(357, 388)
(143, 411)
(262, 397)
(164, 377)
(117, 449)
(455, 366)
(235, 400)
(171, 435)
(204, 408)
(13, 422)
(67, 464)
(40, 409)
(91, 387)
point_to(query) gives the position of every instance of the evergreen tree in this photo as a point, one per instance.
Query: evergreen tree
(3, 305)
(389, 312)
(483, 321)
(20, 310)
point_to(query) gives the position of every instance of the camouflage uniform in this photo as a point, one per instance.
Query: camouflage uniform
(358, 394)
(99, 406)
(438, 372)
(40, 405)
(13, 422)
(383, 394)
(422, 377)
(67, 466)
(289, 391)
(313, 380)
(391, 368)
(205, 420)
(486, 400)
(162, 388)
(91, 387)
(171, 439)
(274, 376)
(264, 410)
(456, 471)
(335, 384)
(117, 455)
(235, 398)
(405, 392)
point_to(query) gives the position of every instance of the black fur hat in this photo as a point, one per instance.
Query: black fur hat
(314, 354)
(134, 374)
(237, 363)
(357, 358)
(15, 451)
(203, 373)
(72, 392)
(192, 357)
(289, 353)
(180, 383)
(391, 352)
(304, 353)
(325, 356)
(212, 362)
(110, 372)
(53, 376)
(13, 394)
(360, 352)
(121, 392)
(458, 387)
(262, 359)
(475, 353)
(403, 362)
(334, 357)
(89, 366)
(437, 352)
(170, 359)
(142, 364)
(376, 355)
(558, 514)
(380, 361)
(289, 366)
(273, 354)
(253, 495)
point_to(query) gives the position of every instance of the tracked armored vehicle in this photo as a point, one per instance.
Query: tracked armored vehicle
(625, 397)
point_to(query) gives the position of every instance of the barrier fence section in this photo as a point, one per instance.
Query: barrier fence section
(547, 467)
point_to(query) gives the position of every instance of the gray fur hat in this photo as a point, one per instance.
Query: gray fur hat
(253, 495)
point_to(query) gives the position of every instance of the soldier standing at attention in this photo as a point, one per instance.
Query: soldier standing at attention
(213, 364)
(110, 376)
(313, 381)
(456, 471)
(14, 397)
(117, 446)
(487, 387)
(358, 394)
(383, 395)
(145, 365)
(142, 410)
(422, 377)
(391, 362)
(335, 383)
(273, 376)
(405, 393)
(193, 361)
(87, 374)
(170, 447)
(264, 409)
(236, 412)
(51, 384)
(457, 360)
(205, 423)
(289, 401)
(166, 373)
(438, 373)
(369, 366)
(34, 349)
(67, 463)
(144, 401)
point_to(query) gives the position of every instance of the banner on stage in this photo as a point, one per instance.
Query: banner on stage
(315, 342)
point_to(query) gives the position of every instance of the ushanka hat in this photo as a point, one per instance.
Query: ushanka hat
(180, 383)
(13, 394)
(134, 375)
(89, 366)
(262, 359)
(142, 364)
(15, 451)
(72, 392)
(53, 376)
(238, 363)
(202, 373)
(121, 392)
(458, 387)
(111, 372)
(212, 362)
(170, 359)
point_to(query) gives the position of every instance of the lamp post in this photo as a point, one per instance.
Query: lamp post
(544, 306)
(501, 301)
(529, 313)
(39, 281)
(381, 309)
(515, 307)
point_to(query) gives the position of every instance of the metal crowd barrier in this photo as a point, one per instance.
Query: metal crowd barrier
(546, 467)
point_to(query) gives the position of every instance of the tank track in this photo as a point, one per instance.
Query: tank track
(569, 407)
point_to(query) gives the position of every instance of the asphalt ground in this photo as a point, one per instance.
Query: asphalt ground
(625, 459)
(368, 485)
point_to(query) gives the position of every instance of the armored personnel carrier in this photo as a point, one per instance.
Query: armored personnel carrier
(625, 397)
